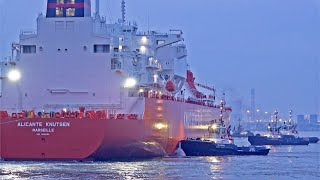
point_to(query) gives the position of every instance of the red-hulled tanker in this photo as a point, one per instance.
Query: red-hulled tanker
(79, 88)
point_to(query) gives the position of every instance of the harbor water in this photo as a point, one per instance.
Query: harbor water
(283, 162)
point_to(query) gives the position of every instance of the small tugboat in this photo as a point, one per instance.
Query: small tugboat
(290, 127)
(239, 132)
(219, 142)
(275, 137)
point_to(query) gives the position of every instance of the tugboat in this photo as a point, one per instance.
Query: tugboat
(239, 132)
(219, 142)
(289, 128)
(275, 137)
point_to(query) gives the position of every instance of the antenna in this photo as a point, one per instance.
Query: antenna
(253, 104)
(123, 11)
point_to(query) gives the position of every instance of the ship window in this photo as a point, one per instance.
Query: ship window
(70, 11)
(60, 1)
(101, 48)
(59, 25)
(70, 25)
(115, 64)
(59, 12)
(29, 49)
(160, 42)
(71, 1)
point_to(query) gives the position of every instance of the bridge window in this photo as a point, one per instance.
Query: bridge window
(29, 49)
(101, 48)
(71, 1)
(70, 11)
(60, 1)
(59, 12)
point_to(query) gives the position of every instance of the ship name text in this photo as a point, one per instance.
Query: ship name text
(41, 124)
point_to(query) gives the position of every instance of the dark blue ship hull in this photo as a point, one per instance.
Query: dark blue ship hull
(313, 139)
(237, 134)
(283, 140)
(208, 148)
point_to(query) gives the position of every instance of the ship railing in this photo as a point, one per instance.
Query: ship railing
(95, 115)
(153, 65)
(159, 95)
(160, 34)
(28, 32)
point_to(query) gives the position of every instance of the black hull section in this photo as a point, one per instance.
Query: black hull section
(207, 148)
(284, 140)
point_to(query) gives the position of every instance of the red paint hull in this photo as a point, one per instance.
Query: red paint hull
(101, 139)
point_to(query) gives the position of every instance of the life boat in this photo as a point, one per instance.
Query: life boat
(170, 86)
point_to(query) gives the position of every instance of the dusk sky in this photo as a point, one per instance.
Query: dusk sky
(270, 45)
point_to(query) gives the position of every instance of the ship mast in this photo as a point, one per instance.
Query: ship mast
(123, 11)
(290, 117)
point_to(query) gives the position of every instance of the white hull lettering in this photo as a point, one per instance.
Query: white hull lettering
(29, 124)
(58, 124)
(43, 130)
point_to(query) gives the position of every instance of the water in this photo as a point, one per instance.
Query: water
(283, 162)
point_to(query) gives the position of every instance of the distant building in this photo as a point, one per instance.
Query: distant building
(308, 122)
(313, 119)
(303, 119)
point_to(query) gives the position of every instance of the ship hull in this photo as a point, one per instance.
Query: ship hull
(104, 139)
(263, 140)
(208, 148)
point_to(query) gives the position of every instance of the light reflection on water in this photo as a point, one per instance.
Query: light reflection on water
(283, 162)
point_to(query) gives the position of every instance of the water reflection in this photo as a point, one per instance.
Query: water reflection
(283, 162)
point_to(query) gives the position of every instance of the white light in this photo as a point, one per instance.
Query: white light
(248, 111)
(64, 110)
(266, 112)
(141, 90)
(160, 126)
(144, 40)
(130, 82)
(155, 78)
(214, 126)
(14, 75)
(120, 47)
(258, 110)
(143, 49)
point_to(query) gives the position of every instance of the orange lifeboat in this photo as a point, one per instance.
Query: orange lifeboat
(170, 86)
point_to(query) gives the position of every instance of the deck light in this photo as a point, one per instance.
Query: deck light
(14, 75)
(130, 83)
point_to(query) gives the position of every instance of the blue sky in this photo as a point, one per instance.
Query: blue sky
(269, 45)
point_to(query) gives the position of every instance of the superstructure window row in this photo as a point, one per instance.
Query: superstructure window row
(29, 49)
(101, 48)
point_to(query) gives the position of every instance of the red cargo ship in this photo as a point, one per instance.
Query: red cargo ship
(79, 88)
